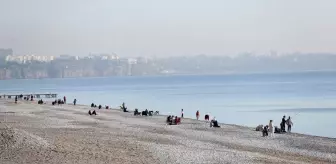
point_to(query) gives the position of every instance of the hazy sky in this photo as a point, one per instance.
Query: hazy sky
(167, 27)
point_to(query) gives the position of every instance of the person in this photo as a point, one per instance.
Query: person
(94, 112)
(206, 117)
(283, 124)
(64, 99)
(197, 114)
(99, 107)
(265, 131)
(16, 98)
(271, 128)
(31, 98)
(123, 107)
(75, 101)
(136, 112)
(289, 124)
(214, 123)
(181, 113)
(168, 118)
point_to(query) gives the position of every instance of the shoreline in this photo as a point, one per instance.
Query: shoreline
(32, 133)
(165, 115)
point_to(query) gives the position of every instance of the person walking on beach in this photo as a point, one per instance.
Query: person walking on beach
(289, 124)
(197, 114)
(64, 99)
(75, 101)
(271, 128)
(181, 113)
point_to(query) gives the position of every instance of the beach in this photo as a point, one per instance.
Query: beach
(46, 134)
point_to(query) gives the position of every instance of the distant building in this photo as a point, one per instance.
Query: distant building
(142, 60)
(132, 61)
(103, 56)
(28, 58)
(67, 57)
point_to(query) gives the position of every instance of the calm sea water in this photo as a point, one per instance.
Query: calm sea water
(253, 99)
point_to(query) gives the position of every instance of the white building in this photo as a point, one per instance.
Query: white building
(27, 58)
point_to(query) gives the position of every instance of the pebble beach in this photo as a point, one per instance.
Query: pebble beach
(46, 134)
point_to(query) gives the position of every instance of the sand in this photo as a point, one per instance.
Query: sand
(46, 134)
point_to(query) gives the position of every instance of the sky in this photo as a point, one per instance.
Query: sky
(167, 27)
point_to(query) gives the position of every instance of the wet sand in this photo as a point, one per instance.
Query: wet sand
(46, 134)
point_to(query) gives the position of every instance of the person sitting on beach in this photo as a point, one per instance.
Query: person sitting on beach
(144, 113)
(265, 131)
(214, 123)
(40, 102)
(171, 120)
(99, 107)
(136, 112)
(206, 117)
(168, 119)
(177, 120)
(123, 107)
(94, 112)
(92, 105)
(107, 107)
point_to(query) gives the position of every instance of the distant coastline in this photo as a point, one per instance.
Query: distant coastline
(187, 74)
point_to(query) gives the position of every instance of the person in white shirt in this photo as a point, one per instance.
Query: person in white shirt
(271, 128)
(289, 124)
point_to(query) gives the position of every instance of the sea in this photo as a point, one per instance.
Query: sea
(309, 98)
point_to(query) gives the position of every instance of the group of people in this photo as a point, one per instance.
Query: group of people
(40, 102)
(285, 122)
(60, 101)
(271, 129)
(213, 122)
(173, 120)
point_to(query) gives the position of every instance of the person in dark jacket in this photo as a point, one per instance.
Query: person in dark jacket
(283, 124)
